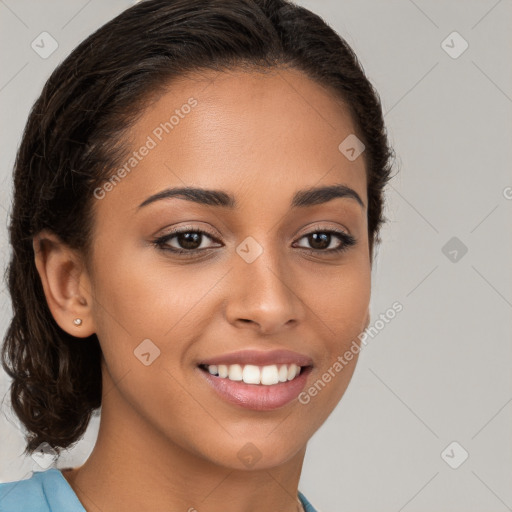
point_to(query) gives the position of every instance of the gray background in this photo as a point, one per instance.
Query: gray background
(440, 371)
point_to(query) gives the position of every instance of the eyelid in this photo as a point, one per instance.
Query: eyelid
(187, 229)
(310, 229)
(322, 227)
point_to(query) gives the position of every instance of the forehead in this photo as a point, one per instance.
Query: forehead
(240, 131)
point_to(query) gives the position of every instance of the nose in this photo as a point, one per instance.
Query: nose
(263, 295)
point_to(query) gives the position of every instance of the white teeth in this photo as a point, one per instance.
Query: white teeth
(269, 375)
(252, 374)
(235, 372)
(292, 371)
(283, 373)
(223, 371)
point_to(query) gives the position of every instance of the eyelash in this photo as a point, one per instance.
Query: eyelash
(347, 241)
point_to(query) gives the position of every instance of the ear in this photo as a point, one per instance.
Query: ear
(65, 283)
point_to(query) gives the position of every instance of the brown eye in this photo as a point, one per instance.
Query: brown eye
(186, 241)
(189, 240)
(321, 241)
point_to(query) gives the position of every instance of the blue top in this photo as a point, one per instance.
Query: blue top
(49, 491)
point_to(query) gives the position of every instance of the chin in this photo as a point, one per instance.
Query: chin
(253, 455)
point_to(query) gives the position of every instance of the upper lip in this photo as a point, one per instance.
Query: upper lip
(260, 358)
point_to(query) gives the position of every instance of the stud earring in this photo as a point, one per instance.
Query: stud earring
(77, 321)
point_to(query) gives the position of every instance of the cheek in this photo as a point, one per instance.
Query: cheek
(340, 308)
(148, 309)
(144, 296)
(341, 301)
(152, 300)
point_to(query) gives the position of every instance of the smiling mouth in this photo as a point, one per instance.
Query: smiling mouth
(267, 375)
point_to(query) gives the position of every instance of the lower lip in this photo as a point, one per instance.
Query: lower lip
(257, 396)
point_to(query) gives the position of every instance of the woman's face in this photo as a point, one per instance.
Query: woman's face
(262, 277)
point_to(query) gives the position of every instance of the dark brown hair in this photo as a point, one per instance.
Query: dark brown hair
(73, 141)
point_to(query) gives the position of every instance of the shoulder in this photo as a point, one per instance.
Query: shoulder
(306, 504)
(25, 494)
(44, 491)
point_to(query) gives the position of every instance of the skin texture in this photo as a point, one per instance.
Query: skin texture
(167, 441)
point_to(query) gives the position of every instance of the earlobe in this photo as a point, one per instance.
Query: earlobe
(65, 284)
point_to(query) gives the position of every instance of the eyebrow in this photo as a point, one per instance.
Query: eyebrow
(301, 199)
